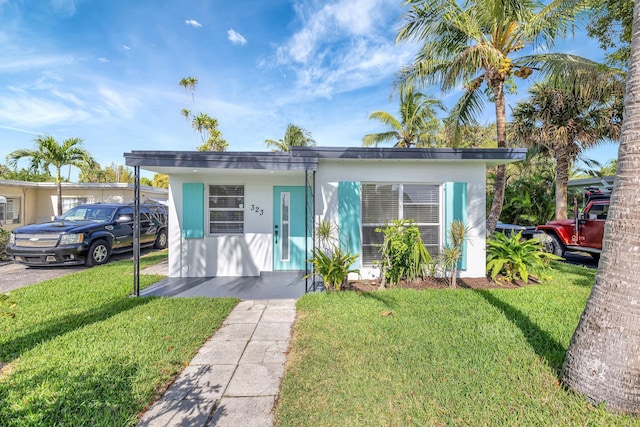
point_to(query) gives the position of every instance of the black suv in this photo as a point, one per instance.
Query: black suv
(88, 234)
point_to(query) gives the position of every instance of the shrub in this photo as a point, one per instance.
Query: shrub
(4, 239)
(402, 253)
(334, 266)
(514, 257)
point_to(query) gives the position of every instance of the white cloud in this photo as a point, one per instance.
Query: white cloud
(193, 23)
(27, 62)
(344, 45)
(37, 112)
(103, 60)
(236, 38)
(125, 47)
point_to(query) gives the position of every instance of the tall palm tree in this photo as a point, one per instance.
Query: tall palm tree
(294, 136)
(49, 153)
(603, 361)
(472, 44)
(416, 125)
(189, 83)
(566, 123)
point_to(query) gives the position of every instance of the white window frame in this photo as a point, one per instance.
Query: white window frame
(15, 202)
(69, 202)
(238, 208)
(401, 205)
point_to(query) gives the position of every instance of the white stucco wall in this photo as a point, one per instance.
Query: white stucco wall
(395, 171)
(233, 255)
(251, 253)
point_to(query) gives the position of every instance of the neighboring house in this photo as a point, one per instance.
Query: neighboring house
(242, 214)
(32, 202)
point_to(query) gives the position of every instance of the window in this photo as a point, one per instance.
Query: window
(226, 209)
(72, 202)
(382, 203)
(10, 213)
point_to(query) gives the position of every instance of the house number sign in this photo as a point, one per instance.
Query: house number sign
(257, 210)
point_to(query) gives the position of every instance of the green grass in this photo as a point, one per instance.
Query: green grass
(445, 357)
(82, 352)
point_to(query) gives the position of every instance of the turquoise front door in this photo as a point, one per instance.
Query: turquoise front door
(288, 228)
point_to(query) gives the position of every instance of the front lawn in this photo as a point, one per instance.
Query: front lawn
(438, 357)
(81, 351)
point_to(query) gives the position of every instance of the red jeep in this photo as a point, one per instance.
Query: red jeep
(584, 233)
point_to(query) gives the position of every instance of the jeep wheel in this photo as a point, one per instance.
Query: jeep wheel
(98, 254)
(161, 240)
(553, 245)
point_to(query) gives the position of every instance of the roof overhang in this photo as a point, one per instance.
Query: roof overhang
(307, 158)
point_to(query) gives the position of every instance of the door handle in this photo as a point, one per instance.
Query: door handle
(275, 233)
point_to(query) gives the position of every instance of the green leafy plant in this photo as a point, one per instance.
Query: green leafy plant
(333, 266)
(515, 258)
(326, 235)
(402, 253)
(452, 253)
(4, 239)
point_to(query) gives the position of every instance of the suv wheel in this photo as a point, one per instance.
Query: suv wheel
(553, 245)
(98, 254)
(161, 240)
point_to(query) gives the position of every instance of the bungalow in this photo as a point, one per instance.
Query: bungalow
(29, 202)
(246, 213)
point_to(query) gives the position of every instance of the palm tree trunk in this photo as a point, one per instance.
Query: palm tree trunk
(501, 176)
(603, 360)
(59, 189)
(562, 178)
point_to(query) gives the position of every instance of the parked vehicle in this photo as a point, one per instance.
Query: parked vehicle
(88, 234)
(508, 229)
(584, 232)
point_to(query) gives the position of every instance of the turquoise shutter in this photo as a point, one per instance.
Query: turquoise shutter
(456, 209)
(193, 210)
(349, 217)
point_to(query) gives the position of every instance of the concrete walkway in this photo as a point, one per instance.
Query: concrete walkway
(235, 377)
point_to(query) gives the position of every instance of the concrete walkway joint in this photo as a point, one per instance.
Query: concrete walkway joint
(234, 379)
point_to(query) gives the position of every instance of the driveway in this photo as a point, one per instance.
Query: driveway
(14, 276)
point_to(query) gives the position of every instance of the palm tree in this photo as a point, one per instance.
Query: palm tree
(566, 123)
(211, 136)
(294, 136)
(190, 84)
(472, 44)
(416, 125)
(602, 361)
(49, 153)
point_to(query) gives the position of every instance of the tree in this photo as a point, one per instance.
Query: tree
(24, 175)
(48, 153)
(207, 127)
(416, 125)
(294, 136)
(160, 180)
(610, 23)
(189, 83)
(471, 45)
(566, 123)
(602, 361)
(471, 135)
(112, 173)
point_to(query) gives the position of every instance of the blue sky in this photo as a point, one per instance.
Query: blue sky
(108, 71)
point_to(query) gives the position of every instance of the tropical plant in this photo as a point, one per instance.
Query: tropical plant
(326, 233)
(602, 360)
(402, 253)
(416, 125)
(211, 136)
(189, 83)
(566, 122)
(294, 136)
(610, 23)
(516, 258)
(49, 153)
(472, 44)
(4, 239)
(334, 266)
(452, 252)
(111, 173)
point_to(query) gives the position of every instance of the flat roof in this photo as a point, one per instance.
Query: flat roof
(306, 158)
